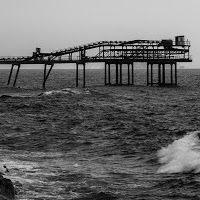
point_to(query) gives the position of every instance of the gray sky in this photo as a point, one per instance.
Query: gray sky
(58, 24)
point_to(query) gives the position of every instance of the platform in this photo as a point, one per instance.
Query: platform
(154, 52)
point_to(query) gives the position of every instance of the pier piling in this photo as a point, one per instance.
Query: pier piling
(16, 76)
(132, 67)
(117, 74)
(10, 75)
(76, 74)
(105, 73)
(128, 74)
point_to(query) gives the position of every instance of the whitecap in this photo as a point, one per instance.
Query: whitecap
(182, 155)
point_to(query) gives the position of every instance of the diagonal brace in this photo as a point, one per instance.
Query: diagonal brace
(46, 74)
(16, 75)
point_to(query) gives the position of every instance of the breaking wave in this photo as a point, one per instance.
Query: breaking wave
(183, 155)
(64, 91)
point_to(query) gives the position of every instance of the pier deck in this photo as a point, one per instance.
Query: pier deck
(153, 52)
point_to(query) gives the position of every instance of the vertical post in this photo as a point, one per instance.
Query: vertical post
(105, 80)
(103, 51)
(44, 79)
(147, 74)
(171, 74)
(175, 74)
(163, 71)
(76, 74)
(116, 74)
(84, 75)
(11, 70)
(16, 75)
(132, 73)
(109, 73)
(151, 74)
(159, 75)
(128, 73)
(120, 74)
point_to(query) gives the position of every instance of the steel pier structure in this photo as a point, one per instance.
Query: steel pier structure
(157, 54)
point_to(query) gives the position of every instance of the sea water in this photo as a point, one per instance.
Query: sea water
(100, 142)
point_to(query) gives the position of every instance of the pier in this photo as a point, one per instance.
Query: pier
(157, 54)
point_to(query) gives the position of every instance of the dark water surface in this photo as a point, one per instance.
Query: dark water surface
(101, 142)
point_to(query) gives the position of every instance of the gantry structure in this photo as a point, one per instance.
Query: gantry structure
(156, 53)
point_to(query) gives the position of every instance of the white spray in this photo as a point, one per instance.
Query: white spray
(183, 155)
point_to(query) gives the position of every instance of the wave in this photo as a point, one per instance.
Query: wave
(183, 155)
(65, 91)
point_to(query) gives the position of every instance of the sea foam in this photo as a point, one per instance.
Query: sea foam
(182, 155)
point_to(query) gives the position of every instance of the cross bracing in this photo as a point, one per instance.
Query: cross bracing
(135, 50)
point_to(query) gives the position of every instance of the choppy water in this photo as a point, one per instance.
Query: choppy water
(100, 143)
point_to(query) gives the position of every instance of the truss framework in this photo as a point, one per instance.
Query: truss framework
(135, 51)
(155, 53)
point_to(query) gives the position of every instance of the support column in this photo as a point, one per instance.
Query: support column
(151, 74)
(109, 74)
(147, 74)
(175, 74)
(159, 74)
(84, 75)
(116, 74)
(44, 78)
(105, 78)
(11, 70)
(163, 73)
(171, 74)
(76, 74)
(120, 68)
(128, 74)
(132, 73)
(16, 75)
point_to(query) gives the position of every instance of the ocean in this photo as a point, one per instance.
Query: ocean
(100, 142)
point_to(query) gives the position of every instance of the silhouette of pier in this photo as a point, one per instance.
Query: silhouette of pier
(156, 53)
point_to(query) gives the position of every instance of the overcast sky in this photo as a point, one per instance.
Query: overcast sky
(58, 24)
